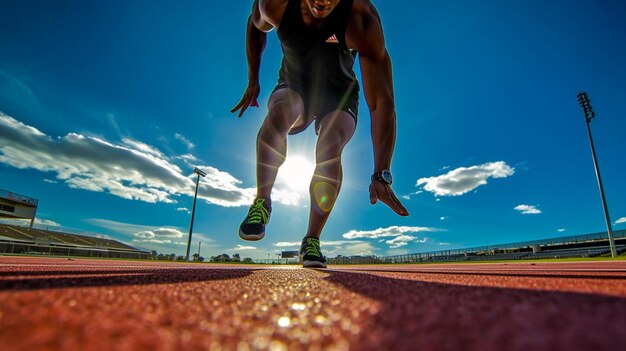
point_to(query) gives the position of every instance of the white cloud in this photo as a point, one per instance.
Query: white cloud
(560, 230)
(408, 196)
(288, 197)
(39, 222)
(184, 140)
(399, 234)
(386, 232)
(287, 244)
(160, 233)
(399, 241)
(130, 169)
(183, 209)
(465, 179)
(353, 248)
(144, 148)
(621, 220)
(443, 218)
(120, 227)
(189, 160)
(160, 238)
(50, 181)
(527, 209)
(243, 248)
(139, 231)
(46, 222)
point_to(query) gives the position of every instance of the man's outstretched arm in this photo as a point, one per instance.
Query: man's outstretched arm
(256, 39)
(378, 89)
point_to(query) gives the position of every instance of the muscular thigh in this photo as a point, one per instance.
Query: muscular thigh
(287, 105)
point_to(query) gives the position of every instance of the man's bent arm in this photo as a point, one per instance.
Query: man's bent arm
(367, 37)
(378, 90)
(255, 44)
(256, 38)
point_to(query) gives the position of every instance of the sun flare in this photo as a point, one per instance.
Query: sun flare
(296, 173)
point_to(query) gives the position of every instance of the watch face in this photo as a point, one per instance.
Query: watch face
(386, 175)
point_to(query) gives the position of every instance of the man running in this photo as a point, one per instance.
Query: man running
(320, 40)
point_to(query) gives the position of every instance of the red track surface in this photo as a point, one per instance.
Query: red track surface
(61, 304)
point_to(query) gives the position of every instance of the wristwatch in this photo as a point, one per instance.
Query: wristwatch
(383, 176)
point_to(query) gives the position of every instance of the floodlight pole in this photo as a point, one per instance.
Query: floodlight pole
(583, 100)
(199, 172)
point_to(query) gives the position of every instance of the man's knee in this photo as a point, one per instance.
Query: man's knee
(335, 132)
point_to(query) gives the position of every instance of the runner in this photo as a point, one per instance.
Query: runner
(320, 40)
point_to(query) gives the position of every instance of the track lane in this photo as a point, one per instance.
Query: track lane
(60, 304)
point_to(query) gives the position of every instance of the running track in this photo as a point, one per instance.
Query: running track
(61, 304)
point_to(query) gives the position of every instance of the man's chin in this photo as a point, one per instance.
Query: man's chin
(317, 13)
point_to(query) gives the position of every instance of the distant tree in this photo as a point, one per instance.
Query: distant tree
(180, 258)
(247, 260)
(197, 258)
(221, 258)
(236, 258)
(153, 254)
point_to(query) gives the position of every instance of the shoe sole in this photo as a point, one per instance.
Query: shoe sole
(313, 264)
(251, 237)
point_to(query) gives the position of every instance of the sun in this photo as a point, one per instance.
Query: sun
(296, 173)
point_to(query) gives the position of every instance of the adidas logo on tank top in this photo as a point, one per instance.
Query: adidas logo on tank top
(332, 39)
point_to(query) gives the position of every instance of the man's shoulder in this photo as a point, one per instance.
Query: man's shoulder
(364, 32)
(364, 9)
(362, 15)
(272, 10)
(271, 3)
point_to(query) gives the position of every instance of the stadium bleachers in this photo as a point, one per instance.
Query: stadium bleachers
(17, 239)
(14, 233)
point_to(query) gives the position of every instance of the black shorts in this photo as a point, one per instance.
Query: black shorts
(318, 106)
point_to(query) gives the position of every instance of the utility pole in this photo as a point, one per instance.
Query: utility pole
(583, 100)
(200, 173)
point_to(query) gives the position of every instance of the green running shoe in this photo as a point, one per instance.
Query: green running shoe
(311, 255)
(253, 227)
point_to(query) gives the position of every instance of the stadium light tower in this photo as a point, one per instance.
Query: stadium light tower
(583, 100)
(200, 173)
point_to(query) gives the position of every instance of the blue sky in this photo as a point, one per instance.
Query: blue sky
(106, 108)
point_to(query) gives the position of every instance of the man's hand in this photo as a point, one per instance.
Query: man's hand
(381, 191)
(248, 99)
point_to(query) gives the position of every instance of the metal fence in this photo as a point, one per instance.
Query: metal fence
(491, 250)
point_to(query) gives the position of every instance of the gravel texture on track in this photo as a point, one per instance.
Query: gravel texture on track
(61, 304)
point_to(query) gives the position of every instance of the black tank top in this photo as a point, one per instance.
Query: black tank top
(317, 60)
